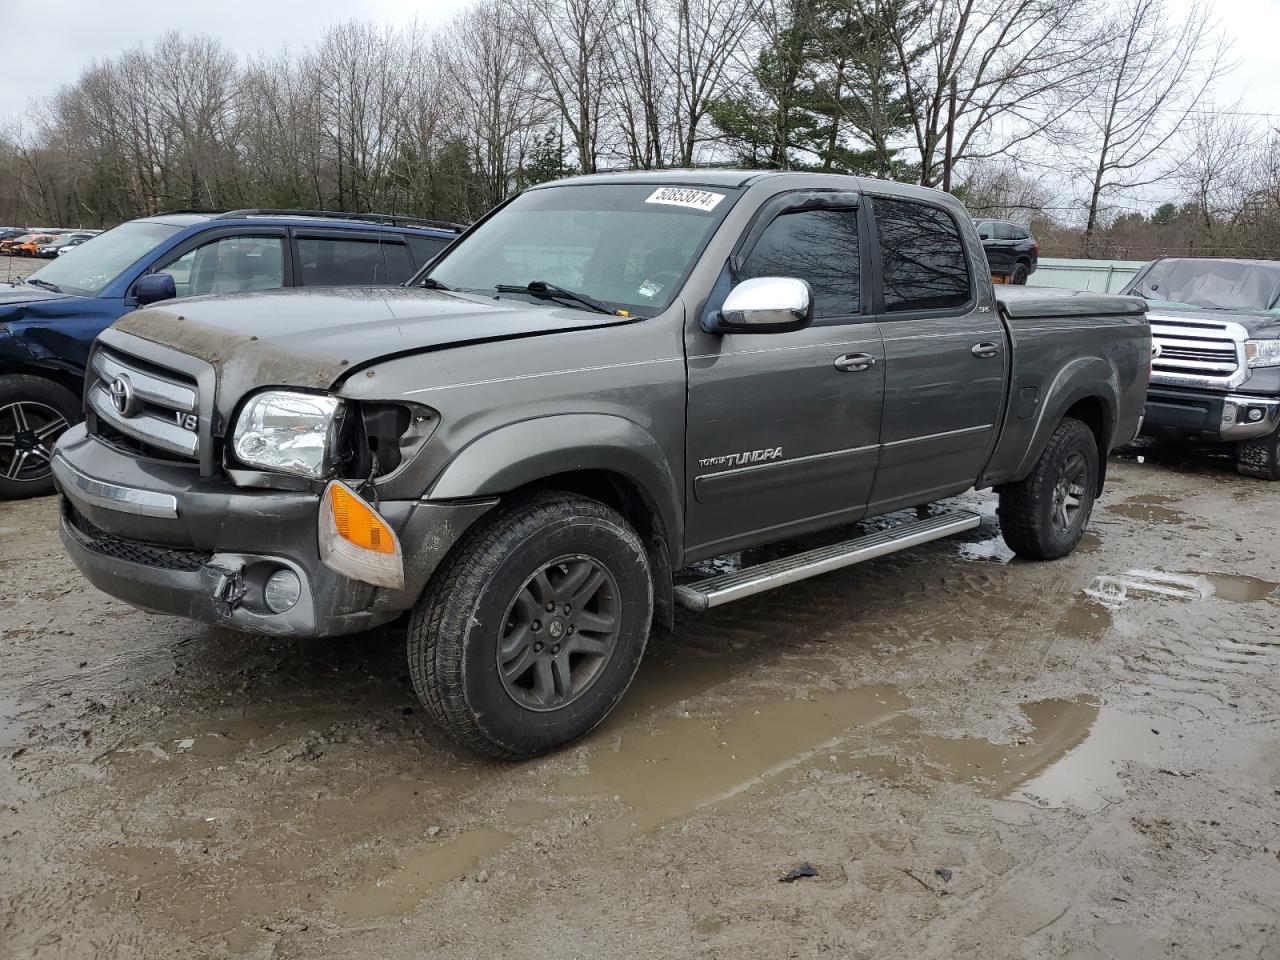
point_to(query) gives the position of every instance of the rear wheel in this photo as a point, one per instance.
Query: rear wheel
(34, 412)
(531, 632)
(1043, 516)
(1020, 274)
(1259, 458)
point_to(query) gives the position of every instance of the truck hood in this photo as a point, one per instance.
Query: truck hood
(13, 294)
(315, 337)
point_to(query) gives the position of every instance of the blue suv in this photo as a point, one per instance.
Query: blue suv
(49, 320)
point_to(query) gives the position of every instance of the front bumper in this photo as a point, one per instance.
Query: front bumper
(162, 538)
(1206, 415)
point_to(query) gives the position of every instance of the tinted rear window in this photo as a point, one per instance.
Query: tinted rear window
(924, 264)
(340, 262)
(425, 248)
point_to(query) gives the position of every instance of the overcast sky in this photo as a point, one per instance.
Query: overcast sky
(46, 43)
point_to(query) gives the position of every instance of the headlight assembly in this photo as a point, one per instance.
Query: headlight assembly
(1262, 353)
(288, 431)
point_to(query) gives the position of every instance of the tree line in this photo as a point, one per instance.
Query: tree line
(1062, 113)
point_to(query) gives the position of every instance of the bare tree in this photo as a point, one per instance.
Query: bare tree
(1151, 74)
(996, 75)
(569, 43)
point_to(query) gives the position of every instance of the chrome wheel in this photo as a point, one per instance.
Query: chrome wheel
(559, 633)
(1069, 493)
(28, 430)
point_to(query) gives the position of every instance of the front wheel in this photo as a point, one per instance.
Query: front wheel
(532, 630)
(1259, 458)
(1043, 516)
(33, 414)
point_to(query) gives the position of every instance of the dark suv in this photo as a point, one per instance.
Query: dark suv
(1012, 252)
(49, 320)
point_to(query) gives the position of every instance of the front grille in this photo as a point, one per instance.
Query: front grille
(1203, 350)
(138, 406)
(133, 551)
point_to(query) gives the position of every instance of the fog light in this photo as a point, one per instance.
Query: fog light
(282, 591)
(1255, 414)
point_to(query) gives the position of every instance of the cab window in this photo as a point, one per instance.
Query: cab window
(818, 246)
(923, 261)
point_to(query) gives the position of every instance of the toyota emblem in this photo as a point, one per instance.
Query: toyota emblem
(1156, 350)
(122, 396)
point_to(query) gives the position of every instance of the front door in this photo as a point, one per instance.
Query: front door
(783, 428)
(946, 356)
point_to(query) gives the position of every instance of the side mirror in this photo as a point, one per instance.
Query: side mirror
(153, 287)
(767, 305)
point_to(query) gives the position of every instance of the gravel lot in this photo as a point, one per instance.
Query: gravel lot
(15, 268)
(981, 758)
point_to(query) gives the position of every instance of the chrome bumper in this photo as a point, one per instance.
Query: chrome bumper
(1247, 418)
(114, 496)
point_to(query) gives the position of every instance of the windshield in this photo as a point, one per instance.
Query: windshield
(627, 245)
(100, 260)
(1211, 284)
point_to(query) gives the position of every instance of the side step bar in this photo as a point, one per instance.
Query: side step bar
(749, 581)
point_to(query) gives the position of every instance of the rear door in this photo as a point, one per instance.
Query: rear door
(350, 258)
(946, 359)
(783, 428)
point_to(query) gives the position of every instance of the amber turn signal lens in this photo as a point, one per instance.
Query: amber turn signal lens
(358, 524)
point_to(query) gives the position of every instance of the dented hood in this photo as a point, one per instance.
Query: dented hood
(314, 337)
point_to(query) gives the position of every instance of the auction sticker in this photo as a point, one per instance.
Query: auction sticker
(703, 200)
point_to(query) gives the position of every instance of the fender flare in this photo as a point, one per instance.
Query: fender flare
(520, 453)
(1085, 378)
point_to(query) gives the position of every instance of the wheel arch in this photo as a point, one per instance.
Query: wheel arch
(605, 457)
(1088, 390)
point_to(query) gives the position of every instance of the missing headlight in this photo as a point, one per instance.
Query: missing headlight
(381, 436)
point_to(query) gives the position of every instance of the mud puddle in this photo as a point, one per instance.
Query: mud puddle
(1116, 590)
(1149, 508)
(652, 774)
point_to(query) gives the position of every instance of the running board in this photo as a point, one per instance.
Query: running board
(749, 581)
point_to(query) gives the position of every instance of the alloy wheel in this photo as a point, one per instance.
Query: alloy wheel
(1069, 493)
(559, 633)
(28, 430)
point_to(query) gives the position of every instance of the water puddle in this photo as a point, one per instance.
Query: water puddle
(1089, 776)
(1149, 508)
(700, 762)
(420, 873)
(697, 762)
(1116, 590)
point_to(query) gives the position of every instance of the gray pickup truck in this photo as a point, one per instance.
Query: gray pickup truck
(1215, 366)
(605, 380)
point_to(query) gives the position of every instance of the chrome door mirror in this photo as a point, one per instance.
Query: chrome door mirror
(767, 305)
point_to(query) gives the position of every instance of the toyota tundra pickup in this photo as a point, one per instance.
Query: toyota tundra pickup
(603, 381)
(1215, 365)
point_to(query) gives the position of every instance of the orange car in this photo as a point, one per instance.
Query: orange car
(10, 246)
(34, 243)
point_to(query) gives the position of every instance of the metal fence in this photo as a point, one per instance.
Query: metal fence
(1100, 276)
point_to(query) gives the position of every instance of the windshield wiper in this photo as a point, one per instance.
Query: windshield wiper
(44, 283)
(551, 291)
(433, 284)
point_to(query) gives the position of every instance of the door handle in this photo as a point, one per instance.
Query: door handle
(985, 350)
(854, 362)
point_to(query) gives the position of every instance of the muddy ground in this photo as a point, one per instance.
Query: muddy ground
(981, 758)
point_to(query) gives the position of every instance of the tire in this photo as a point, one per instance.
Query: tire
(1037, 515)
(486, 608)
(1259, 458)
(1020, 274)
(34, 412)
